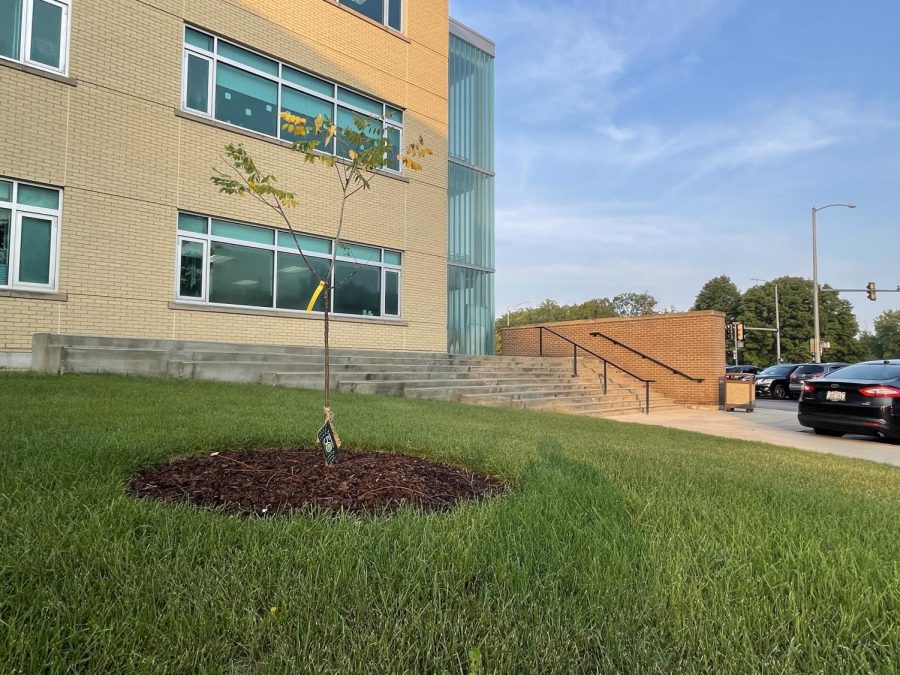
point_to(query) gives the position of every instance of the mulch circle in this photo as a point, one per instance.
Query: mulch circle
(270, 482)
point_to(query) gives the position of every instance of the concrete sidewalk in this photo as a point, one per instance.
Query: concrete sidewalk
(779, 427)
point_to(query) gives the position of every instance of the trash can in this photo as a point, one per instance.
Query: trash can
(739, 391)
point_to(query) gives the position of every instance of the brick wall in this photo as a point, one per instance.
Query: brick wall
(127, 162)
(692, 342)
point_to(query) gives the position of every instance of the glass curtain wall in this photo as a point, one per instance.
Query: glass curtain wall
(470, 278)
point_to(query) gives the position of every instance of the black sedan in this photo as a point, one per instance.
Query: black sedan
(774, 381)
(859, 399)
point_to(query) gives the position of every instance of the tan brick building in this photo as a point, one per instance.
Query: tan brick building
(113, 115)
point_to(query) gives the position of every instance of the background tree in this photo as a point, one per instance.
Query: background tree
(719, 294)
(838, 323)
(550, 311)
(595, 308)
(886, 338)
(363, 150)
(634, 304)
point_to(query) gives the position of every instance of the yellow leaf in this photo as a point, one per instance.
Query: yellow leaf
(318, 123)
(354, 155)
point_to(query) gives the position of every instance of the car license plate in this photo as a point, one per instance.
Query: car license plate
(836, 396)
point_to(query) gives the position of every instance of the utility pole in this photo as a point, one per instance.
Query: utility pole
(777, 321)
(817, 348)
(777, 329)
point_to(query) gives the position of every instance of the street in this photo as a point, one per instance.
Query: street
(774, 404)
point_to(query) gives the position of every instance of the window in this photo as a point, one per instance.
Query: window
(35, 32)
(29, 231)
(386, 12)
(234, 85)
(226, 263)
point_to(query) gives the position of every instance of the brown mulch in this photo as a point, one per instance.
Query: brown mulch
(269, 482)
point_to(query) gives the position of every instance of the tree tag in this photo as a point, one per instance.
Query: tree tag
(328, 443)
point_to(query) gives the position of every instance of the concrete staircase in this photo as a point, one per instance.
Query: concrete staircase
(535, 383)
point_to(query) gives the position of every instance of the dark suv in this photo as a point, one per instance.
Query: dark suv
(745, 373)
(812, 371)
(775, 380)
(746, 368)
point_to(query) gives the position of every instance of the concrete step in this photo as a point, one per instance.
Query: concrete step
(79, 360)
(90, 357)
(41, 340)
(586, 408)
(255, 371)
(507, 391)
(448, 389)
(539, 383)
(147, 367)
(568, 398)
(463, 377)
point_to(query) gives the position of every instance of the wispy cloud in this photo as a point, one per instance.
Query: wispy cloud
(641, 144)
(574, 54)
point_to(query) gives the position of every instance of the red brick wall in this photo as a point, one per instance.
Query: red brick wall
(692, 342)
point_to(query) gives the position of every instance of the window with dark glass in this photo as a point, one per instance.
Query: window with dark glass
(297, 283)
(386, 12)
(29, 230)
(237, 86)
(240, 275)
(391, 293)
(5, 233)
(191, 274)
(357, 289)
(35, 32)
(229, 263)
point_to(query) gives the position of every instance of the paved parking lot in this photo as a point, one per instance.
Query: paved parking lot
(771, 422)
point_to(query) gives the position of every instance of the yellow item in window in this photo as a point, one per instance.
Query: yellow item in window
(315, 296)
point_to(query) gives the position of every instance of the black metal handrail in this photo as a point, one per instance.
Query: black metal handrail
(606, 362)
(674, 371)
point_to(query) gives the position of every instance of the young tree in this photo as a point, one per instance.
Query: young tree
(720, 294)
(363, 151)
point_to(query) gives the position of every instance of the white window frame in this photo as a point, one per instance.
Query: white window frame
(204, 284)
(208, 238)
(190, 51)
(15, 238)
(213, 58)
(65, 33)
(385, 270)
(385, 13)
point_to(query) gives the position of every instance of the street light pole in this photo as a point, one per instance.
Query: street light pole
(777, 320)
(512, 307)
(817, 343)
(777, 329)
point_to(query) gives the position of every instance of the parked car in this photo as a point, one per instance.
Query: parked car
(812, 371)
(745, 372)
(746, 368)
(775, 380)
(861, 399)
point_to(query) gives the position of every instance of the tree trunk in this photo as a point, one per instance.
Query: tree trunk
(327, 292)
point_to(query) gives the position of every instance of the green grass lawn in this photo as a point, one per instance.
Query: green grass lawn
(621, 548)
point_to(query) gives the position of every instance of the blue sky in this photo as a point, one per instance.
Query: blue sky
(651, 145)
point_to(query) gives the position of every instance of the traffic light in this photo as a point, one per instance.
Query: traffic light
(739, 331)
(870, 288)
(729, 331)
